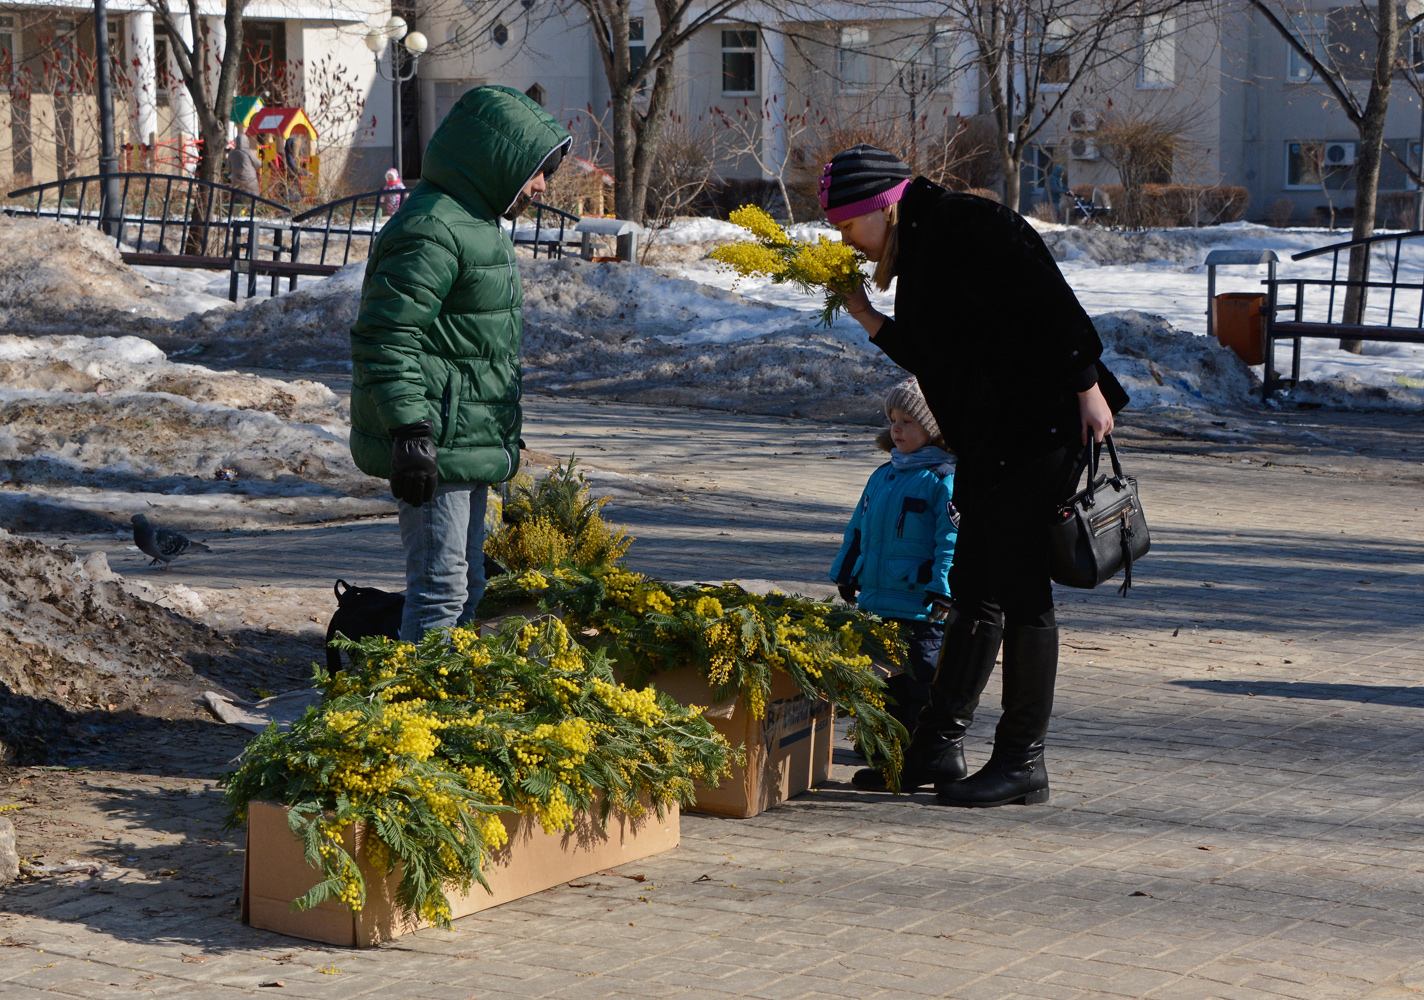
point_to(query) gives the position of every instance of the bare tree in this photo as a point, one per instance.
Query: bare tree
(194, 51)
(1142, 145)
(748, 123)
(1034, 56)
(1353, 56)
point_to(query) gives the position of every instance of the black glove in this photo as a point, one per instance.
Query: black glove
(848, 591)
(414, 471)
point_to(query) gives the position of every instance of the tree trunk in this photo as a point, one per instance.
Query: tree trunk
(625, 140)
(1011, 162)
(1367, 165)
(650, 133)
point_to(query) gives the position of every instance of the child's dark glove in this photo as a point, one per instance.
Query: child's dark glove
(414, 466)
(847, 591)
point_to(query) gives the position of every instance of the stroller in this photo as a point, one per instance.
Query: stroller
(1089, 210)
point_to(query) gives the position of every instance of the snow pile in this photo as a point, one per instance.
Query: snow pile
(305, 329)
(1347, 392)
(1160, 365)
(93, 430)
(75, 638)
(62, 276)
(636, 334)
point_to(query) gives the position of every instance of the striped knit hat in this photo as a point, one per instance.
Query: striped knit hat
(859, 180)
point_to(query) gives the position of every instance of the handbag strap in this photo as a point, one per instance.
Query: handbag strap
(1112, 455)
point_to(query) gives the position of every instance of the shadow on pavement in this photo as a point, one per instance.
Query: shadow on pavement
(1383, 694)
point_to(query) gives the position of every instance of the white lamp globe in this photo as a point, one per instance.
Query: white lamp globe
(416, 43)
(376, 42)
(395, 27)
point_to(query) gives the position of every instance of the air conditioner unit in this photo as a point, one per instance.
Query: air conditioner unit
(1084, 121)
(1083, 149)
(1339, 154)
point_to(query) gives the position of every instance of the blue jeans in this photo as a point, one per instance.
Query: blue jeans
(444, 558)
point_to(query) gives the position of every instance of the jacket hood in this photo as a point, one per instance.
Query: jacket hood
(488, 147)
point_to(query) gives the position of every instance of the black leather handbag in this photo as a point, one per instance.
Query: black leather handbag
(1100, 530)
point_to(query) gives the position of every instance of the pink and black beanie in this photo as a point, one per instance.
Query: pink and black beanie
(860, 180)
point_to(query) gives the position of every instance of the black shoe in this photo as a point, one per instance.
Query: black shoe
(936, 751)
(1010, 778)
(939, 764)
(1016, 772)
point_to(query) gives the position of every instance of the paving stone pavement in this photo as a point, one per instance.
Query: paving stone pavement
(1237, 759)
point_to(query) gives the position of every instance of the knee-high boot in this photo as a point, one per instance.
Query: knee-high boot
(1015, 772)
(936, 750)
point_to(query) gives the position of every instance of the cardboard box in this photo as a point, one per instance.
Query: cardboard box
(276, 872)
(788, 750)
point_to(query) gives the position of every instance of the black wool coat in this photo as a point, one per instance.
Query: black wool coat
(986, 322)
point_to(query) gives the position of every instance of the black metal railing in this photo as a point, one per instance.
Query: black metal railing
(1309, 304)
(200, 215)
(552, 238)
(339, 223)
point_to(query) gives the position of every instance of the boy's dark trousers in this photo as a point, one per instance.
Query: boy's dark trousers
(911, 689)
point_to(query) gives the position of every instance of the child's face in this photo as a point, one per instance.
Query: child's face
(906, 432)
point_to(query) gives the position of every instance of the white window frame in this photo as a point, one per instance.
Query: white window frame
(944, 49)
(1157, 48)
(1316, 184)
(853, 43)
(754, 50)
(11, 31)
(1298, 71)
(1055, 40)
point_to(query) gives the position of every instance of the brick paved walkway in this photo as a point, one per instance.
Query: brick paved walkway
(1237, 762)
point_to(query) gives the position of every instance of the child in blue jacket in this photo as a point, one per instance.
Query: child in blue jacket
(900, 541)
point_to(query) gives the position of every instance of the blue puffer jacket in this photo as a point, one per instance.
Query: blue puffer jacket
(900, 540)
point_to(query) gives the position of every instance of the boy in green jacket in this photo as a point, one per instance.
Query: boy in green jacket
(435, 349)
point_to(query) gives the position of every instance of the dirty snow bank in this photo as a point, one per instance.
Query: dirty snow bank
(58, 276)
(75, 638)
(92, 430)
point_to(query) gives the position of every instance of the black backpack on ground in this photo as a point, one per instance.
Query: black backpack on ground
(362, 612)
(368, 611)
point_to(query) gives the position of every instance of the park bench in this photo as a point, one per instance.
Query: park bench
(1311, 310)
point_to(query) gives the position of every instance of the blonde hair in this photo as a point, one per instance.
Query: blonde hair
(885, 268)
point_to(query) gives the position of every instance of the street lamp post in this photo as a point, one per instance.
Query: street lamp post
(415, 45)
(915, 80)
(110, 210)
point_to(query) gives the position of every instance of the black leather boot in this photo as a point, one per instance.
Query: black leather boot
(1015, 772)
(936, 750)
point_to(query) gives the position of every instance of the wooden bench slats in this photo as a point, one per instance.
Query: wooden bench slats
(1346, 331)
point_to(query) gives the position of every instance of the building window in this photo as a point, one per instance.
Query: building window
(536, 94)
(1158, 46)
(852, 59)
(1316, 164)
(1313, 38)
(637, 45)
(264, 62)
(7, 51)
(739, 69)
(1055, 66)
(943, 51)
(499, 34)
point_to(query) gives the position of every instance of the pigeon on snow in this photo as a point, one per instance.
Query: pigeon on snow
(162, 543)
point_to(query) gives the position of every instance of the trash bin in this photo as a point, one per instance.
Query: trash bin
(1239, 322)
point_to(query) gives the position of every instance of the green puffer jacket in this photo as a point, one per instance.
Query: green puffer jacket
(440, 323)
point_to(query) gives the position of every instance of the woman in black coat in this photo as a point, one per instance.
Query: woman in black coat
(1009, 364)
